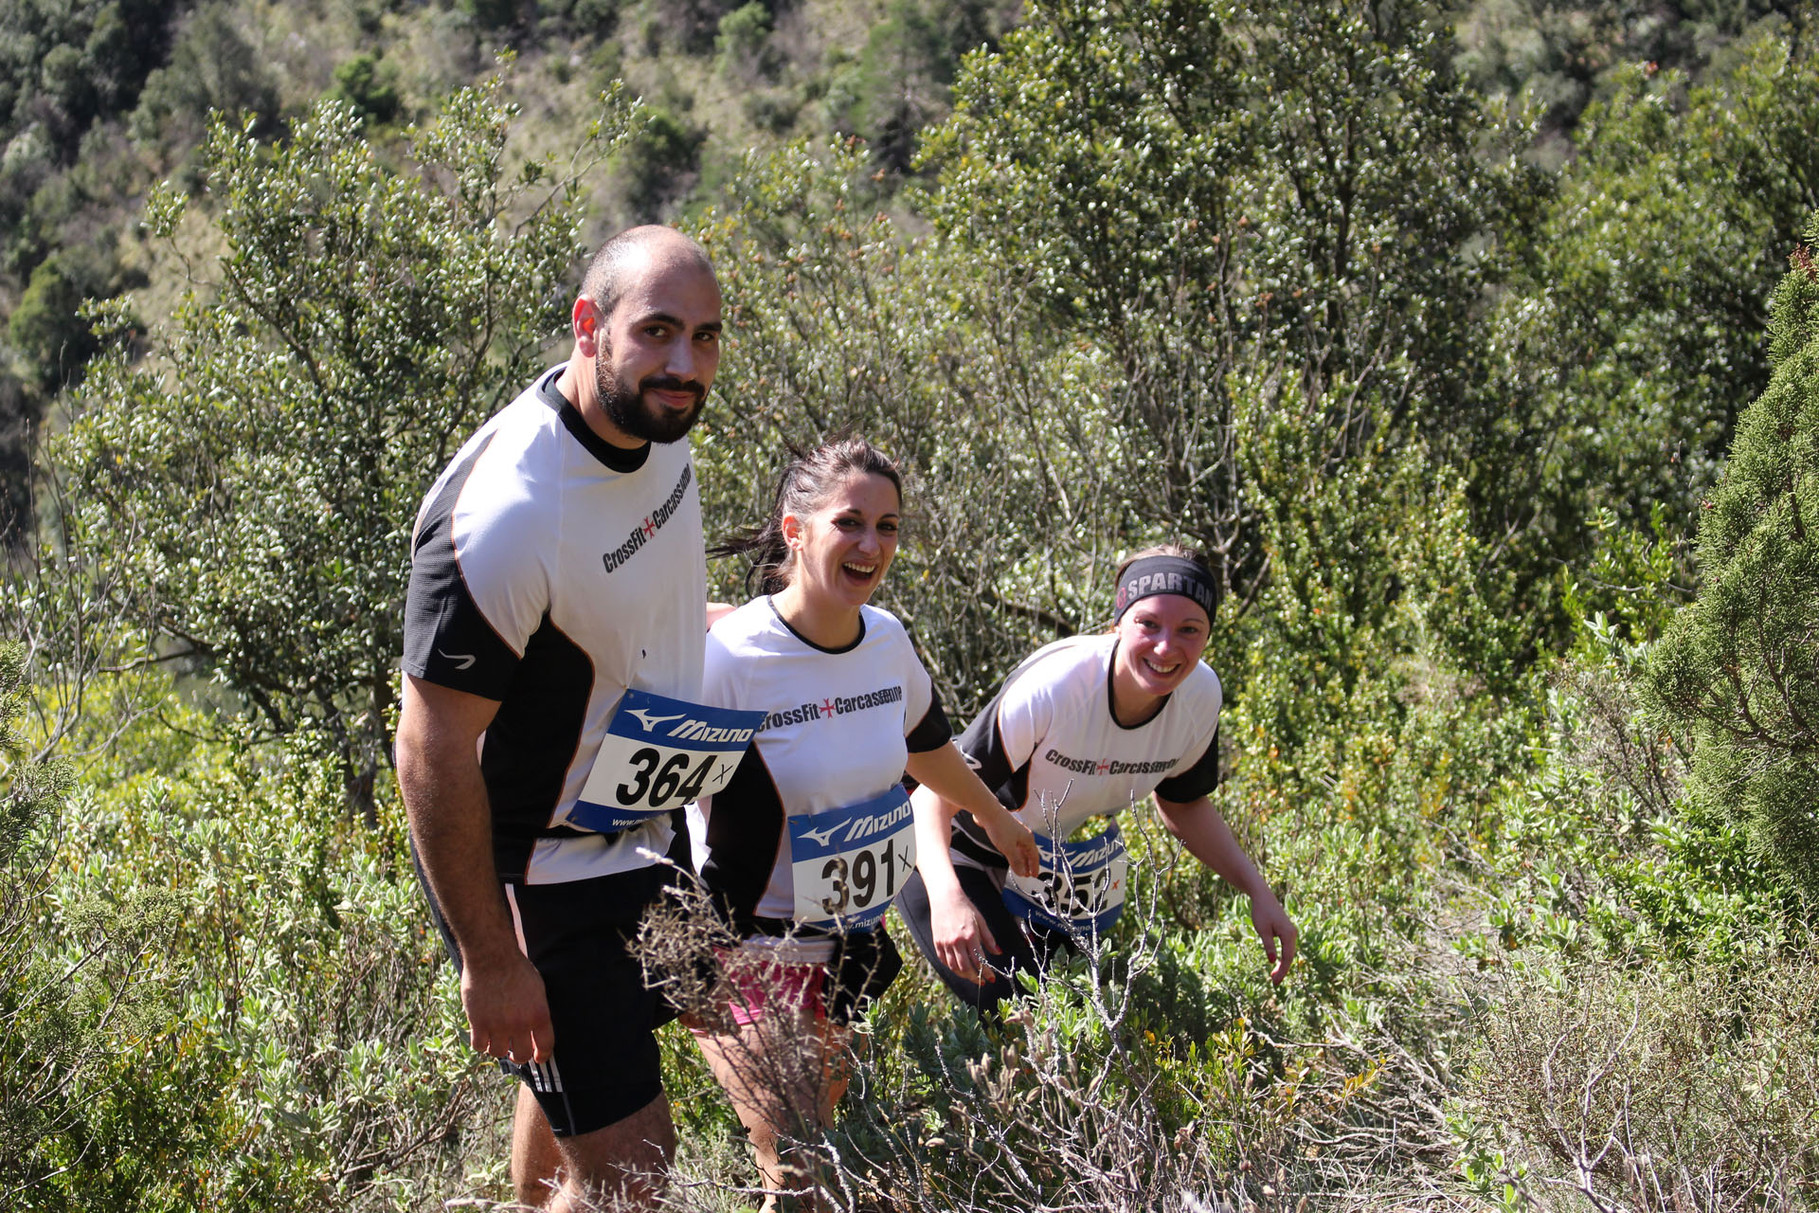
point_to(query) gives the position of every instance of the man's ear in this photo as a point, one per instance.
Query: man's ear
(584, 320)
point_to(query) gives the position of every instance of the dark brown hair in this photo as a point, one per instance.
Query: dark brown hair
(804, 485)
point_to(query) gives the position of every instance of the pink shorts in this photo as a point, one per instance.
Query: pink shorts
(763, 987)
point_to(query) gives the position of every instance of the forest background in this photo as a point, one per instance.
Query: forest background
(1478, 343)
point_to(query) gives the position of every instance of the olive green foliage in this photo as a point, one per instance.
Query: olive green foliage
(1289, 203)
(841, 321)
(82, 981)
(1739, 666)
(1634, 334)
(256, 476)
(369, 84)
(212, 66)
(1657, 1090)
(1283, 280)
(1559, 56)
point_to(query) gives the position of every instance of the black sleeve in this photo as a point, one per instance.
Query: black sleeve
(933, 730)
(1197, 780)
(743, 834)
(447, 638)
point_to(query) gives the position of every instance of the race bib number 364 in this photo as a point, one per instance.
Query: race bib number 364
(659, 754)
(847, 864)
(1080, 887)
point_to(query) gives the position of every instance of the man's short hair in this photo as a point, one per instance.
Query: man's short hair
(606, 279)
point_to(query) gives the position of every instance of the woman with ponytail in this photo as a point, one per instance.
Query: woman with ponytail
(808, 844)
(1083, 728)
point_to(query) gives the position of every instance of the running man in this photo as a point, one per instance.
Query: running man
(553, 639)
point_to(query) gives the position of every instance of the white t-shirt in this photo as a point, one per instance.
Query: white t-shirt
(1049, 748)
(841, 725)
(550, 571)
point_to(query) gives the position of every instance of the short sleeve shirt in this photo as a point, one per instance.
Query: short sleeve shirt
(550, 571)
(840, 725)
(1050, 749)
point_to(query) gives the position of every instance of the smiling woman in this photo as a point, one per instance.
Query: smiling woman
(807, 846)
(1082, 729)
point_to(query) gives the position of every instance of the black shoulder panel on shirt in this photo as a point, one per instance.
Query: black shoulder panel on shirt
(532, 741)
(983, 746)
(744, 832)
(447, 639)
(933, 730)
(1197, 780)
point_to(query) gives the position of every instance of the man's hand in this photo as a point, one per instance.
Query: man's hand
(1277, 933)
(507, 1010)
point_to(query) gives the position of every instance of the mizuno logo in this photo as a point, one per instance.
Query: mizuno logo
(820, 837)
(461, 660)
(648, 719)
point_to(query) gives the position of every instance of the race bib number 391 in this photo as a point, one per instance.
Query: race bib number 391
(1080, 887)
(847, 864)
(659, 754)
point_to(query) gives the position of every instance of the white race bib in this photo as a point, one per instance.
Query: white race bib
(848, 863)
(658, 754)
(1080, 887)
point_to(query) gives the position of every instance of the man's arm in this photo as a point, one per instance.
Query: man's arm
(445, 798)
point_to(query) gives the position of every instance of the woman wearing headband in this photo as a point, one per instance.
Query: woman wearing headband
(1083, 728)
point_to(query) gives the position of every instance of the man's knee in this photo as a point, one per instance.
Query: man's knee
(629, 1154)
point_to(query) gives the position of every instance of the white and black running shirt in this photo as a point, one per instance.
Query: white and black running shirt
(842, 724)
(1049, 747)
(550, 571)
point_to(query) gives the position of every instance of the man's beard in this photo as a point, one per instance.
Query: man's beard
(624, 405)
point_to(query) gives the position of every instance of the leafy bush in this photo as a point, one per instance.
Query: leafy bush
(268, 456)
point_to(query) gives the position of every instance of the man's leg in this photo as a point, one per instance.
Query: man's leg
(621, 1167)
(535, 1158)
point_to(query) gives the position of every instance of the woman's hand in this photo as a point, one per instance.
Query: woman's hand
(1276, 931)
(962, 939)
(1013, 840)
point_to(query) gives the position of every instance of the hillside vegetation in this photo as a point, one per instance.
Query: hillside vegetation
(1478, 343)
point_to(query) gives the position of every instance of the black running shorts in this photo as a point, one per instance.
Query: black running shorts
(578, 934)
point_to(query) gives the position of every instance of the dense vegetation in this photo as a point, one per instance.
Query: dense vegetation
(1480, 346)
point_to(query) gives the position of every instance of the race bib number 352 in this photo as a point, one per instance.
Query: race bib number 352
(1079, 888)
(847, 864)
(659, 754)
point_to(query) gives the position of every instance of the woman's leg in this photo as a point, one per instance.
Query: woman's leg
(783, 1074)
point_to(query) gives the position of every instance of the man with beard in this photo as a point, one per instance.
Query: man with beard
(557, 575)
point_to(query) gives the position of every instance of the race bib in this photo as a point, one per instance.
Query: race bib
(1080, 887)
(659, 754)
(848, 863)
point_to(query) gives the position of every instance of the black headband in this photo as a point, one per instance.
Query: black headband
(1152, 575)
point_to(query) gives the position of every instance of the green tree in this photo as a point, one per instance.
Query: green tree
(369, 84)
(255, 477)
(1741, 665)
(1294, 201)
(1632, 333)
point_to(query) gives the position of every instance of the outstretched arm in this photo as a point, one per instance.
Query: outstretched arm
(1207, 838)
(445, 798)
(960, 935)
